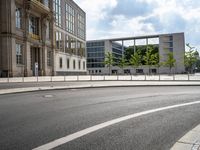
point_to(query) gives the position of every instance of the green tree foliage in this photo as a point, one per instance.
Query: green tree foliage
(109, 61)
(135, 60)
(170, 62)
(151, 57)
(141, 49)
(122, 63)
(198, 65)
(128, 52)
(190, 58)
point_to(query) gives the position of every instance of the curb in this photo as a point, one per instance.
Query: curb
(190, 141)
(49, 88)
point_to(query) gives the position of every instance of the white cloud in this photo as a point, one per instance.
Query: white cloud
(96, 10)
(168, 16)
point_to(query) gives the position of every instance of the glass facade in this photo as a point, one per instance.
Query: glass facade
(81, 26)
(117, 52)
(70, 19)
(57, 12)
(95, 54)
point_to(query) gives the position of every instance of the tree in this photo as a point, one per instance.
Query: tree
(128, 52)
(156, 61)
(170, 62)
(109, 61)
(135, 60)
(122, 63)
(190, 58)
(148, 57)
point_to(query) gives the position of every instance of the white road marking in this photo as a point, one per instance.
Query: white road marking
(86, 131)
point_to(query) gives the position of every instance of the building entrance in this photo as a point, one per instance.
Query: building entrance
(36, 61)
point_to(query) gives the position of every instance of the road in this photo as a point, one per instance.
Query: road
(30, 120)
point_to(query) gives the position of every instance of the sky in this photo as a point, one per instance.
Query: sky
(124, 18)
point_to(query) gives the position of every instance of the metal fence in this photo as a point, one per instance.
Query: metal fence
(178, 77)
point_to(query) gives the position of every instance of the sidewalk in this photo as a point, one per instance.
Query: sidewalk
(190, 141)
(7, 88)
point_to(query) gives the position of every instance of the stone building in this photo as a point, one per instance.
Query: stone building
(36, 38)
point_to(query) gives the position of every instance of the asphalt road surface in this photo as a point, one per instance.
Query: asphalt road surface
(30, 120)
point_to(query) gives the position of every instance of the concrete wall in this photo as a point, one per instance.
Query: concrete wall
(67, 71)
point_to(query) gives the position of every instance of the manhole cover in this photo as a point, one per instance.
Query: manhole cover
(48, 96)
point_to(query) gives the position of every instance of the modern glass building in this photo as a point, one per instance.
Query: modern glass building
(42, 37)
(172, 42)
(96, 51)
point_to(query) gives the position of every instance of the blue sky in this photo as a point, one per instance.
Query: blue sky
(122, 18)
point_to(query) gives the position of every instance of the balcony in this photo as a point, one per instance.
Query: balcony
(39, 6)
(34, 36)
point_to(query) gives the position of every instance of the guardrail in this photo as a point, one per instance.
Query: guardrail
(178, 77)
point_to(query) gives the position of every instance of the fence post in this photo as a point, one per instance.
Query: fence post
(188, 76)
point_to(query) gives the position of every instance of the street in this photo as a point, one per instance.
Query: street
(30, 120)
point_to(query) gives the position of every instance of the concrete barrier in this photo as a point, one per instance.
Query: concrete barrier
(71, 78)
(183, 77)
(97, 78)
(111, 78)
(124, 78)
(58, 78)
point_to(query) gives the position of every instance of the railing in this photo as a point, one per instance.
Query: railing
(103, 78)
(38, 3)
(34, 36)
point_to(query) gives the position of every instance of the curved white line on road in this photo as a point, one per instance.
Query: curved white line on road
(86, 131)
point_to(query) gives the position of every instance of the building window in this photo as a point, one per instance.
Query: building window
(84, 65)
(139, 71)
(59, 41)
(34, 25)
(74, 64)
(48, 30)
(68, 63)
(46, 3)
(70, 19)
(79, 64)
(57, 12)
(19, 54)
(49, 57)
(81, 26)
(171, 38)
(18, 15)
(60, 62)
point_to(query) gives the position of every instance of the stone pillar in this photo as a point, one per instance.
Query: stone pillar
(7, 15)
(27, 48)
